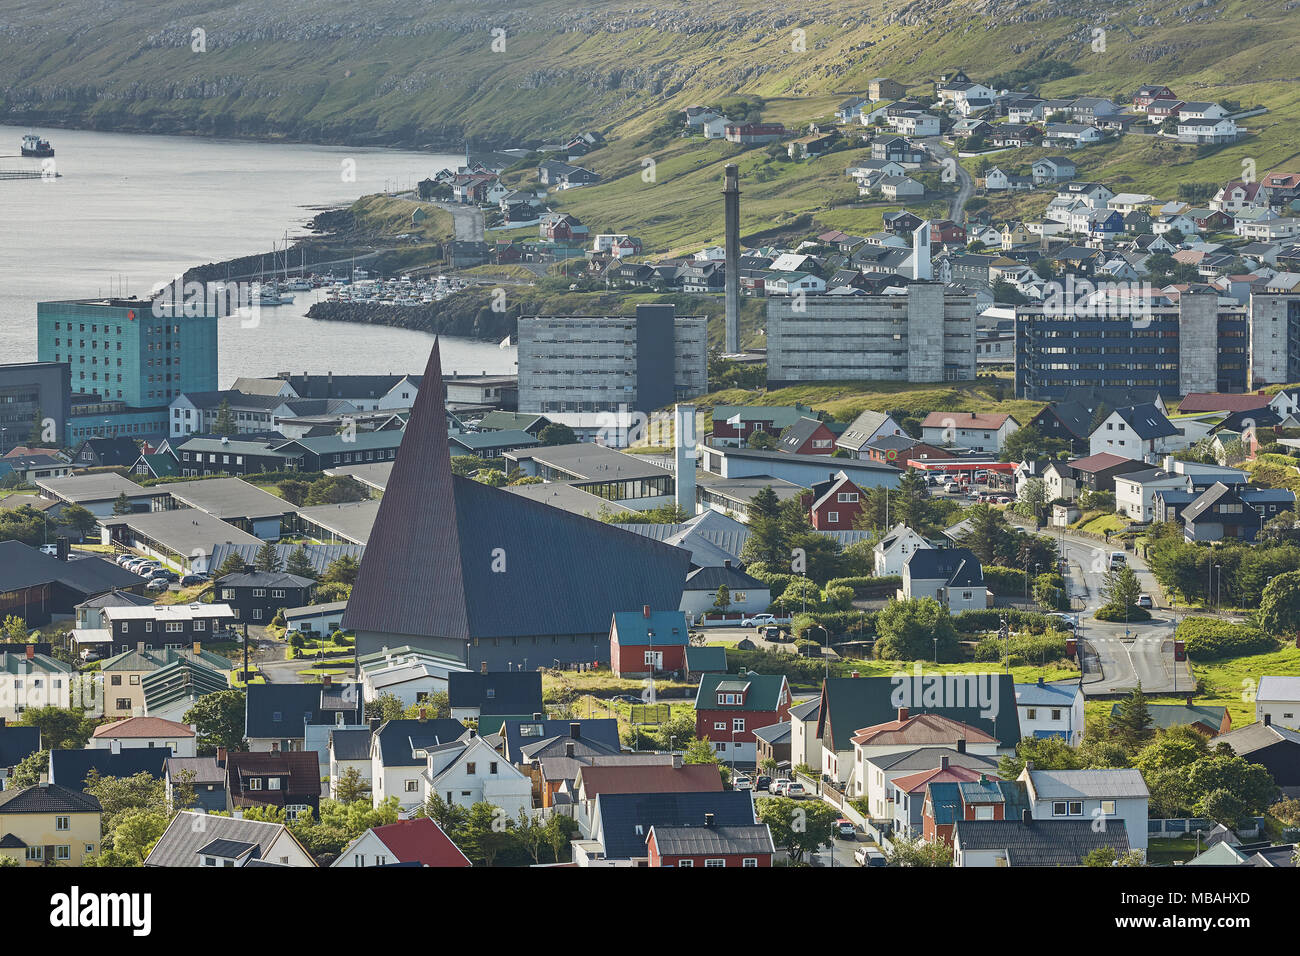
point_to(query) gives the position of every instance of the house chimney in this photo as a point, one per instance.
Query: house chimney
(424, 715)
(677, 761)
(708, 819)
(569, 749)
(1268, 720)
(139, 647)
(943, 762)
(575, 730)
(472, 733)
(1026, 816)
(902, 714)
(726, 562)
(326, 680)
(645, 610)
(31, 651)
(1029, 765)
(536, 716)
(961, 745)
(221, 756)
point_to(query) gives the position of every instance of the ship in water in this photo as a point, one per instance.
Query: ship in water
(35, 146)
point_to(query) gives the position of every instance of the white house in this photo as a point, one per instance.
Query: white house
(977, 431)
(748, 595)
(870, 777)
(34, 680)
(1277, 702)
(1140, 432)
(144, 733)
(468, 771)
(952, 576)
(1051, 710)
(893, 550)
(409, 674)
(1096, 795)
(203, 839)
(1207, 130)
(805, 745)
(349, 749)
(419, 841)
(917, 124)
(1134, 492)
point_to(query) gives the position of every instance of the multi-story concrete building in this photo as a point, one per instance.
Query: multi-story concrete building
(31, 394)
(127, 361)
(1274, 339)
(586, 363)
(926, 335)
(1201, 343)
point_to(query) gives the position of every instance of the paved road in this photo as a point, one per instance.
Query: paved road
(1116, 656)
(468, 221)
(965, 184)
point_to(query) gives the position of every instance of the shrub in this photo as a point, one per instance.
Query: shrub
(1210, 638)
(1004, 581)
(989, 619)
(1026, 648)
(1117, 613)
(839, 598)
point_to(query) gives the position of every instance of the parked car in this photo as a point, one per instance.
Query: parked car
(763, 783)
(758, 620)
(951, 488)
(778, 789)
(845, 829)
(742, 782)
(1064, 620)
(796, 791)
(1144, 600)
(50, 549)
(168, 575)
(190, 580)
(157, 584)
(869, 856)
(772, 633)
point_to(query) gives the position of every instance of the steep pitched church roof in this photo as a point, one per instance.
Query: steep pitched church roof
(450, 557)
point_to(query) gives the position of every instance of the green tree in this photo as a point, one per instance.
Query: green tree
(1121, 587)
(436, 706)
(1229, 789)
(765, 542)
(268, 558)
(1279, 605)
(299, 563)
(907, 631)
(1046, 753)
(61, 729)
(225, 422)
(122, 505)
(448, 816)
(14, 630)
(987, 534)
(762, 441)
(907, 852)
(233, 564)
(799, 826)
(1032, 501)
(342, 570)
(387, 706)
(294, 490)
(560, 830)
(1106, 856)
(80, 521)
(722, 600)
(28, 771)
(218, 719)
(486, 834)
(557, 434)
(335, 490)
(1030, 444)
(1132, 722)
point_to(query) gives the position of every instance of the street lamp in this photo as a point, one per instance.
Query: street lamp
(936, 650)
(1218, 601)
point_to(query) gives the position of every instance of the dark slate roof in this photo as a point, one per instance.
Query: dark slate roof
(232, 849)
(265, 579)
(798, 433)
(23, 567)
(511, 693)
(398, 738)
(927, 758)
(47, 798)
(205, 770)
(518, 734)
(1147, 421)
(621, 814)
(442, 541)
(1041, 842)
(1075, 417)
(711, 578)
(754, 838)
(958, 566)
(113, 451)
(351, 744)
(17, 744)
(1207, 500)
(850, 703)
(296, 704)
(70, 768)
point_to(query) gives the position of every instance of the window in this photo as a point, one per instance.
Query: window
(471, 767)
(685, 864)
(1031, 713)
(259, 592)
(124, 703)
(737, 724)
(492, 767)
(833, 517)
(1056, 714)
(63, 852)
(35, 853)
(257, 614)
(719, 725)
(1076, 808)
(61, 823)
(1108, 807)
(255, 783)
(1059, 809)
(715, 862)
(115, 680)
(984, 813)
(749, 861)
(412, 786)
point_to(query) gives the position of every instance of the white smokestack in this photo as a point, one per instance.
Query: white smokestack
(684, 441)
(921, 252)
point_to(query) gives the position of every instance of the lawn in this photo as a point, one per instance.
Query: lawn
(1101, 523)
(1232, 683)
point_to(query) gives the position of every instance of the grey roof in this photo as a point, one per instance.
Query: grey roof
(927, 758)
(587, 461)
(320, 555)
(1077, 784)
(102, 486)
(713, 577)
(47, 798)
(808, 710)
(313, 610)
(229, 498)
(70, 768)
(205, 770)
(566, 497)
(17, 744)
(350, 520)
(350, 744)
(265, 579)
(185, 530)
(622, 813)
(695, 840)
(508, 693)
(375, 475)
(1246, 740)
(1208, 499)
(774, 734)
(799, 432)
(397, 739)
(189, 832)
(1147, 421)
(862, 428)
(1041, 842)
(22, 566)
(958, 566)
(295, 705)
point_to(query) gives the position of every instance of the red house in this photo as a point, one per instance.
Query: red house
(710, 845)
(834, 504)
(987, 798)
(807, 436)
(649, 642)
(733, 424)
(945, 230)
(730, 707)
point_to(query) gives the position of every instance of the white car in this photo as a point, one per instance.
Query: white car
(778, 788)
(52, 549)
(758, 620)
(1144, 600)
(795, 791)
(741, 782)
(869, 856)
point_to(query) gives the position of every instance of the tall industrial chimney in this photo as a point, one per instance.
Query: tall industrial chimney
(921, 253)
(684, 440)
(731, 208)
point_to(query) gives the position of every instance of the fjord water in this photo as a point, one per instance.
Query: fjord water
(133, 210)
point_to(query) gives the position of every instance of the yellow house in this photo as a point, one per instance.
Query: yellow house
(1015, 234)
(124, 675)
(48, 825)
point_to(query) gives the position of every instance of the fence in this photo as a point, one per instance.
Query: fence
(1168, 828)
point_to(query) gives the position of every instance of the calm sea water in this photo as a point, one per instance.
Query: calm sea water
(131, 211)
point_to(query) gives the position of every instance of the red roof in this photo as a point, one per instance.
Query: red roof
(651, 778)
(1219, 402)
(920, 730)
(1098, 462)
(420, 841)
(917, 782)
(964, 420)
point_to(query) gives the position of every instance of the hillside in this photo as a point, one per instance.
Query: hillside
(396, 73)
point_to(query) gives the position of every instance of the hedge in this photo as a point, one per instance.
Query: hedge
(990, 619)
(1212, 638)
(1004, 581)
(838, 624)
